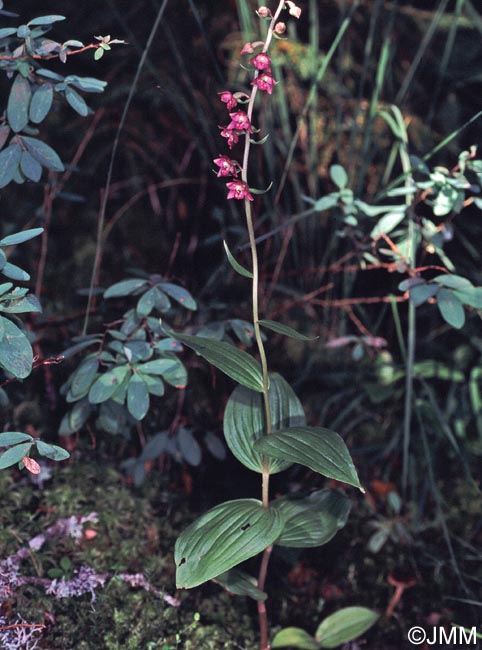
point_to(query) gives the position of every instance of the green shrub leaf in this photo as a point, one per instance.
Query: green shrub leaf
(223, 537)
(244, 421)
(18, 103)
(14, 455)
(30, 167)
(16, 354)
(41, 103)
(137, 397)
(179, 294)
(124, 288)
(77, 102)
(320, 449)
(9, 161)
(107, 384)
(8, 438)
(450, 308)
(44, 154)
(54, 452)
(313, 520)
(345, 625)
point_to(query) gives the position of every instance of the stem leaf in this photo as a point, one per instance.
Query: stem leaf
(320, 449)
(285, 329)
(226, 535)
(236, 265)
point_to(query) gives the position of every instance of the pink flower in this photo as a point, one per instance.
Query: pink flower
(230, 135)
(247, 49)
(228, 98)
(261, 61)
(264, 12)
(227, 167)
(265, 82)
(238, 190)
(240, 122)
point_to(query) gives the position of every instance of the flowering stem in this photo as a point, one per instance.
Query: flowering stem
(262, 614)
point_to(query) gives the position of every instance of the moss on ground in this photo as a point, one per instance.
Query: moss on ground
(136, 531)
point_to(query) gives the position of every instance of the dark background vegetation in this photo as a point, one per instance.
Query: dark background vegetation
(167, 214)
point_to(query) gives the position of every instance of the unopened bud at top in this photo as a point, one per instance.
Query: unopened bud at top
(264, 12)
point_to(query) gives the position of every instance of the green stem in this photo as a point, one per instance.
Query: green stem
(262, 614)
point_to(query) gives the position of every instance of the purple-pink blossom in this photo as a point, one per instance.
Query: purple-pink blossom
(265, 82)
(229, 99)
(230, 135)
(261, 61)
(227, 167)
(240, 122)
(238, 190)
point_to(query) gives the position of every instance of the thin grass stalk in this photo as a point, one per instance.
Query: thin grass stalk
(312, 95)
(449, 46)
(105, 197)
(429, 34)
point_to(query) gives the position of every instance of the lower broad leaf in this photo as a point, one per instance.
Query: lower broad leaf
(222, 538)
(137, 397)
(345, 625)
(294, 637)
(241, 584)
(313, 520)
(450, 308)
(54, 452)
(322, 450)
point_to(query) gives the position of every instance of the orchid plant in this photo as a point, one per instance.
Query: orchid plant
(264, 422)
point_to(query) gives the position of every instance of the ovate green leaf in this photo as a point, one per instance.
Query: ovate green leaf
(54, 452)
(9, 161)
(225, 536)
(8, 438)
(244, 421)
(137, 397)
(18, 103)
(312, 520)
(16, 354)
(294, 638)
(45, 20)
(30, 167)
(339, 176)
(240, 583)
(179, 294)
(14, 455)
(76, 101)
(320, 449)
(345, 625)
(450, 308)
(20, 237)
(41, 103)
(107, 384)
(44, 154)
(124, 288)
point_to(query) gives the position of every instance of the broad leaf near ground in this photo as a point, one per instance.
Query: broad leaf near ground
(245, 422)
(313, 520)
(320, 449)
(450, 308)
(294, 638)
(137, 397)
(222, 538)
(54, 452)
(241, 584)
(43, 153)
(14, 455)
(8, 438)
(345, 625)
(107, 384)
(18, 103)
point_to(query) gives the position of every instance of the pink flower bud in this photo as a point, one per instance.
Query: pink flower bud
(264, 12)
(294, 9)
(280, 28)
(247, 49)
